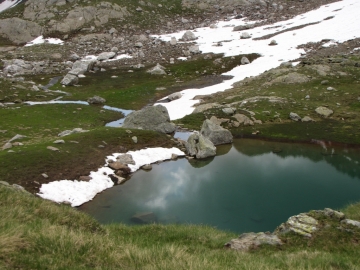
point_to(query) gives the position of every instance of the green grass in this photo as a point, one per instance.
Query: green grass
(78, 156)
(38, 234)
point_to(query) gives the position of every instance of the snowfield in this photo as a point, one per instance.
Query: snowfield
(337, 22)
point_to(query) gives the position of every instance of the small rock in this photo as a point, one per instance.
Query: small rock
(229, 111)
(244, 60)
(59, 142)
(44, 175)
(147, 167)
(52, 148)
(96, 100)
(294, 117)
(307, 119)
(188, 36)
(351, 222)
(134, 139)
(7, 146)
(273, 43)
(323, 111)
(245, 35)
(85, 178)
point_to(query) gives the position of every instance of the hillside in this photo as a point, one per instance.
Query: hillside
(282, 80)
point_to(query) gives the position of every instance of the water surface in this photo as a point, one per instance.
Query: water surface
(249, 186)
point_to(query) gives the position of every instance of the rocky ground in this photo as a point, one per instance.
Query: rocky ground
(126, 33)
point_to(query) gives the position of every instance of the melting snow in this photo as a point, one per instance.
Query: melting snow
(78, 192)
(41, 40)
(317, 25)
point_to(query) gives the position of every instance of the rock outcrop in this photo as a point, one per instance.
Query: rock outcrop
(19, 31)
(215, 133)
(150, 118)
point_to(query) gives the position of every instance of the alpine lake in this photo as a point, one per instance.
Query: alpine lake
(251, 185)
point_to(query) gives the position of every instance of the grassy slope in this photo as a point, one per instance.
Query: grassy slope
(38, 234)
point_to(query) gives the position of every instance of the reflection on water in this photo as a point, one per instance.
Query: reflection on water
(252, 186)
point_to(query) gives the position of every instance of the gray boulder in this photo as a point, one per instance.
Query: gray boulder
(194, 49)
(188, 36)
(174, 96)
(294, 116)
(301, 224)
(243, 119)
(150, 118)
(157, 70)
(70, 79)
(19, 31)
(323, 111)
(96, 100)
(84, 65)
(105, 56)
(215, 133)
(173, 41)
(200, 147)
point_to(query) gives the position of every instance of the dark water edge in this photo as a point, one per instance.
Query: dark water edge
(251, 185)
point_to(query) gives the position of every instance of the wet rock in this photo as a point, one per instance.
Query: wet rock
(248, 241)
(200, 147)
(294, 116)
(323, 111)
(215, 133)
(150, 118)
(117, 179)
(147, 167)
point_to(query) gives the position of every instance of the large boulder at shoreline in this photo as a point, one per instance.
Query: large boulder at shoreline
(200, 147)
(215, 133)
(150, 118)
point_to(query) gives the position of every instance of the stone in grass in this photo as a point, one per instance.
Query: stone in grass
(351, 222)
(59, 142)
(294, 116)
(323, 111)
(96, 100)
(53, 148)
(248, 241)
(244, 60)
(157, 70)
(70, 79)
(307, 119)
(301, 224)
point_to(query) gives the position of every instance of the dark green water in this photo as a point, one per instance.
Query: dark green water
(247, 187)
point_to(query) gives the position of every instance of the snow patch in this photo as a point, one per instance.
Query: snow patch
(78, 192)
(41, 40)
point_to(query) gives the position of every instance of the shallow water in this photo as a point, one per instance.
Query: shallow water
(247, 187)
